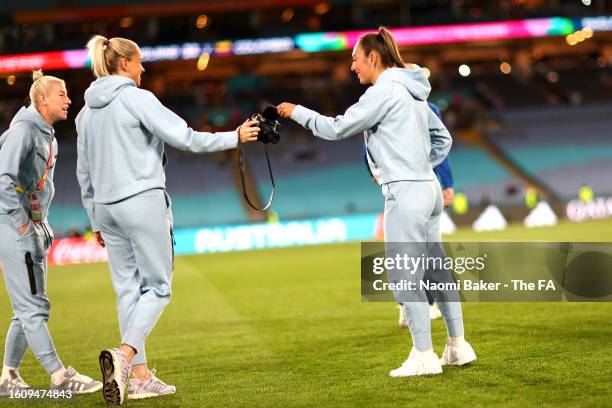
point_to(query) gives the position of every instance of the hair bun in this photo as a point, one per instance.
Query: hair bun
(37, 74)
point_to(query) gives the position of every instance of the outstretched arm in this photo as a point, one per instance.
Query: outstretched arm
(169, 127)
(358, 118)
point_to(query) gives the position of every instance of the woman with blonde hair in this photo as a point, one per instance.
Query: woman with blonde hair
(28, 152)
(403, 139)
(121, 134)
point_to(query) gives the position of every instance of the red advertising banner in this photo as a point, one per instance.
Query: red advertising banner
(69, 251)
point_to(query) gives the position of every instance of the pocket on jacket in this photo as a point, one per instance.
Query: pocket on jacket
(169, 209)
(387, 193)
(168, 201)
(33, 241)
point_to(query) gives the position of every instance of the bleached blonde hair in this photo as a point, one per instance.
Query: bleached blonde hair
(41, 84)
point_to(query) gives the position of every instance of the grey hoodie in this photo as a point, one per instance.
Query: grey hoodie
(121, 134)
(404, 138)
(24, 152)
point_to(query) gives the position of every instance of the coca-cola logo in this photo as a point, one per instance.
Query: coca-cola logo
(76, 251)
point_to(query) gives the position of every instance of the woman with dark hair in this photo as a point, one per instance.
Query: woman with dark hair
(404, 139)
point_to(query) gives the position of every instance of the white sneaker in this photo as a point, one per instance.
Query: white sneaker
(13, 382)
(76, 383)
(418, 363)
(434, 311)
(153, 387)
(402, 322)
(459, 355)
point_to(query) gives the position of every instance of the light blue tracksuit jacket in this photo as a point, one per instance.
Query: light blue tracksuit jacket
(404, 138)
(120, 167)
(122, 130)
(404, 141)
(25, 150)
(24, 153)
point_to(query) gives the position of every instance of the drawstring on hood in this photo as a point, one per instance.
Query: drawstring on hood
(104, 90)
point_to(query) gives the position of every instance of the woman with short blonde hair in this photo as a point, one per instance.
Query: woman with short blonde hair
(28, 152)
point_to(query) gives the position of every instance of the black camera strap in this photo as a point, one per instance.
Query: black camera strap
(242, 163)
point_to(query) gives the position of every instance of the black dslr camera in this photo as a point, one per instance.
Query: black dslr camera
(268, 124)
(269, 132)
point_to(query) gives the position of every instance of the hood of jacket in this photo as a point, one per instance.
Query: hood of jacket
(31, 114)
(414, 80)
(104, 90)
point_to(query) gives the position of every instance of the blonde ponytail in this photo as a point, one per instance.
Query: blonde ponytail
(41, 84)
(96, 48)
(106, 54)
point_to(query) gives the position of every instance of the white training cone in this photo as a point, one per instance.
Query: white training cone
(541, 216)
(491, 219)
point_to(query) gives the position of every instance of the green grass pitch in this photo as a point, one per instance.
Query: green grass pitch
(286, 327)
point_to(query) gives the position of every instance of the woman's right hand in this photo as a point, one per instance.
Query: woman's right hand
(99, 239)
(285, 109)
(248, 131)
(22, 230)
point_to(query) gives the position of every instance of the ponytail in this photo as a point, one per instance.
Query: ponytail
(391, 46)
(106, 54)
(384, 44)
(96, 48)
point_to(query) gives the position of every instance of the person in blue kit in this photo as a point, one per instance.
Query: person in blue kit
(28, 154)
(120, 168)
(404, 139)
(443, 170)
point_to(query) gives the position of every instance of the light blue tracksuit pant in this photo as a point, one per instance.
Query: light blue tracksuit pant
(31, 311)
(138, 235)
(412, 215)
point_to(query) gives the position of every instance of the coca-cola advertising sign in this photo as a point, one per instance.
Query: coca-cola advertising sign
(76, 251)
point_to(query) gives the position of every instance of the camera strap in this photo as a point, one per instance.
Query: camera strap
(242, 163)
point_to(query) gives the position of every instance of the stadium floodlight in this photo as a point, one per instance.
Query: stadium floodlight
(464, 70)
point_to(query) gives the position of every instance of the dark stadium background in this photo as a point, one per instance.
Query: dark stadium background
(532, 118)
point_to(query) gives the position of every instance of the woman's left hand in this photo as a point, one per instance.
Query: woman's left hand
(99, 239)
(448, 195)
(248, 131)
(285, 109)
